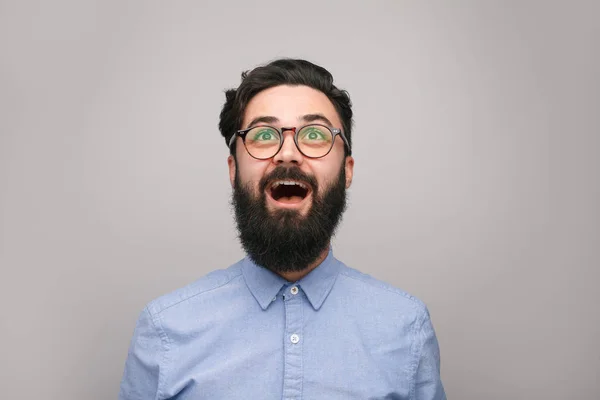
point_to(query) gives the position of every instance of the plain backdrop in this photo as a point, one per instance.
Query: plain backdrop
(477, 177)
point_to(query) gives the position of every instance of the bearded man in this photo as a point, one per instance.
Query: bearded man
(289, 321)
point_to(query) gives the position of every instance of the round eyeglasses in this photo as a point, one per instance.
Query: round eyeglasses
(313, 141)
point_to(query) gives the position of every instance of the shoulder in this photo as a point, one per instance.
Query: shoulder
(370, 286)
(207, 285)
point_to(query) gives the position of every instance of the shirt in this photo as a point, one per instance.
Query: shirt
(246, 333)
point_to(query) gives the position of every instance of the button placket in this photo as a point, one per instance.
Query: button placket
(293, 373)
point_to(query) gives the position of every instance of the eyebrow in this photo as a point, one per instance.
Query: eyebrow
(265, 119)
(268, 119)
(316, 117)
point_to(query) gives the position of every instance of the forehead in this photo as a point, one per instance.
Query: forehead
(289, 104)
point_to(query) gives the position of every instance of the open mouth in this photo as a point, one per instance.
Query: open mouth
(288, 192)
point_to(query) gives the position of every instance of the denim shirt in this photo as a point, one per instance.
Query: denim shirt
(246, 333)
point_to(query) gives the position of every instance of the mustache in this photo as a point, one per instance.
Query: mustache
(290, 173)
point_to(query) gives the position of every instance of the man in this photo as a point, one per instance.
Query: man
(289, 321)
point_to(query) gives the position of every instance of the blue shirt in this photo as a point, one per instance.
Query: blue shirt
(246, 333)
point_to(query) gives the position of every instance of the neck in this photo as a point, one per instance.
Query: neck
(294, 276)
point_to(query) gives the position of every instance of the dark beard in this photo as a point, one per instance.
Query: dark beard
(284, 240)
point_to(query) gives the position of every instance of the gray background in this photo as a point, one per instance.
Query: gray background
(476, 184)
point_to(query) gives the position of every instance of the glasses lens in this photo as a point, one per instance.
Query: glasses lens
(315, 140)
(262, 141)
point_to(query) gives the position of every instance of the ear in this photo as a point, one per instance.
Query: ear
(349, 169)
(231, 165)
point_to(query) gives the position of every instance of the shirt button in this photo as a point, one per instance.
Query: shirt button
(294, 338)
(294, 290)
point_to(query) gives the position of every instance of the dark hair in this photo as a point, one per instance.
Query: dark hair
(284, 71)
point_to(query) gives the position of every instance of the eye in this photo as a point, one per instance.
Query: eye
(263, 134)
(313, 133)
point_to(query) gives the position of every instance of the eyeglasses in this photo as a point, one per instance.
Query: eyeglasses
(313, 141)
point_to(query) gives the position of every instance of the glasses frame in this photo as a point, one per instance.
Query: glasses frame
(334, 132)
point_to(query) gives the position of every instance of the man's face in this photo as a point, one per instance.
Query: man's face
(287, 106)
(296, 220)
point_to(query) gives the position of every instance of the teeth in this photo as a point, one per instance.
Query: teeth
(277, 183)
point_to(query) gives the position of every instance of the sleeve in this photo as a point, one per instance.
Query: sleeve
(428, 383)
(142, 373)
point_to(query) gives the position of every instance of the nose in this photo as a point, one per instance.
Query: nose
(288, 153)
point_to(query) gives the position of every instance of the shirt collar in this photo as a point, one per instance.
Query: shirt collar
(264, 284)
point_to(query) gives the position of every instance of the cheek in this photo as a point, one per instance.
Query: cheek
(250, 173)
(327, 174)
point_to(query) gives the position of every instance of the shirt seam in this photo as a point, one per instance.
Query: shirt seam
(162, 365)
(417, 349)
(197, 294)
(398, 292)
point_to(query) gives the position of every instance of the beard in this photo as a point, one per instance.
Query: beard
(283, 240)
